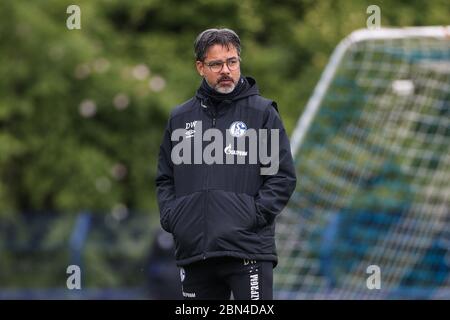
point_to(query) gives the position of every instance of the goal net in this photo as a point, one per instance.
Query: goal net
(370, 217)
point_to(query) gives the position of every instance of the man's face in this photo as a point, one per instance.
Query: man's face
(225, 80)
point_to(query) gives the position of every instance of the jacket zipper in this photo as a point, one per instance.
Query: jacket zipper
(206, 197)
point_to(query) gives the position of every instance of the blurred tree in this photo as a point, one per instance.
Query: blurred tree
(82, 111)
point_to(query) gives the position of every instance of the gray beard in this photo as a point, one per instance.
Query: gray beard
(220, 89)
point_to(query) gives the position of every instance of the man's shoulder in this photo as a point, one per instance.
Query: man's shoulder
(263, 104)
(183, 107)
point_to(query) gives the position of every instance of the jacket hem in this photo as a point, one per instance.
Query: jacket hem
(234, 254)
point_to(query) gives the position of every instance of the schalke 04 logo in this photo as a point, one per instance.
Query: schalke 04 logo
(238, 129)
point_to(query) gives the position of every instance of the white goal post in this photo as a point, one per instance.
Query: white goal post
(327, 75)
(372, 155)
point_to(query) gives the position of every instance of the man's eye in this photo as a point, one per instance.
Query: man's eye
(232, 62)
(215, 64)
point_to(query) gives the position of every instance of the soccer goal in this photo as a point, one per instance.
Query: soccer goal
(370, 217)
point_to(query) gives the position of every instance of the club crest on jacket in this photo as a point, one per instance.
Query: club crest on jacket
(238, 129)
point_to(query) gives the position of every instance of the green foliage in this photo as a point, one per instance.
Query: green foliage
(53, 158)
(82, 112)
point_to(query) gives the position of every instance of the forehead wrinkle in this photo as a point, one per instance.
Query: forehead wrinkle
(224, 53)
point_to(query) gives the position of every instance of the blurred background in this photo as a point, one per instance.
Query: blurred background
(82, 114)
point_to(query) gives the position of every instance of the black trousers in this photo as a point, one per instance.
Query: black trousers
(217, 278)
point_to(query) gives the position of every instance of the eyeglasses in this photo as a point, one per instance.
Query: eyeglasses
(217, 66)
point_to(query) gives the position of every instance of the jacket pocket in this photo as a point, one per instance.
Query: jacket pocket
(186, 224)
(231, 222)
(166, 218)
(261, 221)
(230, 211)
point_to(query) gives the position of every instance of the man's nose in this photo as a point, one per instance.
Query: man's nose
(225, 69)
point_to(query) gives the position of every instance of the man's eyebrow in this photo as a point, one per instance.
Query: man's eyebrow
(218, 60)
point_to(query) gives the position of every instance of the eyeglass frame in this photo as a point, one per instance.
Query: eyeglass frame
(208, 64)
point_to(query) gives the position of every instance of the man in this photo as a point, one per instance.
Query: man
(222, 213)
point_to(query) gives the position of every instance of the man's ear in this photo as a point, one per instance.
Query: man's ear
(199, 65)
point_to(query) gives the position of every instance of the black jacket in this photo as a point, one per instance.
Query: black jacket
(216, 210)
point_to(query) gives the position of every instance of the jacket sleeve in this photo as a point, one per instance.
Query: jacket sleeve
(165, 186)
(277, 188)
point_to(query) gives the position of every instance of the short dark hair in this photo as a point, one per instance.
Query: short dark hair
(210, 37)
